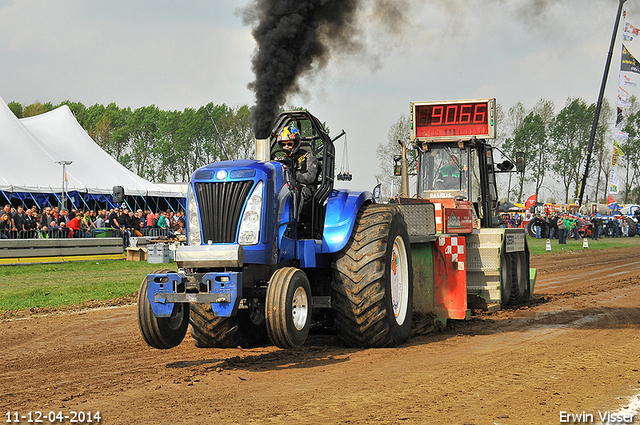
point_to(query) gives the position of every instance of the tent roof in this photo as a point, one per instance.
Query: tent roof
(32, 146)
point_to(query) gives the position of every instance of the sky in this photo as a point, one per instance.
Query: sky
(185, 54)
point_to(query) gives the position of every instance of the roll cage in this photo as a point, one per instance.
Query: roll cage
(315, 138)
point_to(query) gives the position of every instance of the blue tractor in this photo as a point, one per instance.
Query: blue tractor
(258, 266)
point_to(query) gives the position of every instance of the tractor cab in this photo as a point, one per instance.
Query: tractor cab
(455, 165)
(460, 173)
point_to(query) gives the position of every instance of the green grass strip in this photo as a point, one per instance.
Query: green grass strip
(72, 283)
(539, 246)
(77, 282)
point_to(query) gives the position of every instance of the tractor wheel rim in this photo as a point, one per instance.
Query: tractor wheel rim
(300, 308)
(399, 280)
(175, 321)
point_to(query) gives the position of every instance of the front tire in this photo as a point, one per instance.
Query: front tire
(161, 332)
(288, 308)
(372, 289)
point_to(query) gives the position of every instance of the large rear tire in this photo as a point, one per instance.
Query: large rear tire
(530, 230)
(633, 226)
(161, 332)
(210, 331)
(288, 308)
(506, 279)
(518, 278)
(372, 288)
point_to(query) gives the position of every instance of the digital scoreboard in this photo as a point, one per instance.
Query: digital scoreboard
(453, 120)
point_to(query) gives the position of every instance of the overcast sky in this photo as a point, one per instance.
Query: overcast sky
(186, 54)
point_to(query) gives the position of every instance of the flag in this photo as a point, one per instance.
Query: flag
(623, 98)
(625, 37)
(629, 63)
(621, 136)
(630, 30)
(614, 160)
(623, 103)
(619, 118)
(615, 144)
(531, 201)
(613, 187)
(623, 94)
(626, 81)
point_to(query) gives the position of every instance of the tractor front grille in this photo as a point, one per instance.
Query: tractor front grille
(220, 209)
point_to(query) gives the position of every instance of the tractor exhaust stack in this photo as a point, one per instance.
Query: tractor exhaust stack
(263, 150)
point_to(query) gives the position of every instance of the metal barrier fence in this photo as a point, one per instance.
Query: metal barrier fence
(65, 232)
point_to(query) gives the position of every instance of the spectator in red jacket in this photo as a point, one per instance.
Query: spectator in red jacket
(75, 224)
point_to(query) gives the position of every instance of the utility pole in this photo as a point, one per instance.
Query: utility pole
(594, 126)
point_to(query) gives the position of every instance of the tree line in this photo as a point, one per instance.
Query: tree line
(158, 145)
(555, 145)
(168, 146)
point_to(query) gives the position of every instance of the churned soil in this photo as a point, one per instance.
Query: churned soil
(574, 348)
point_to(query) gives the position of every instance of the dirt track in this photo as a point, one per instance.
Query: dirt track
(575, 349)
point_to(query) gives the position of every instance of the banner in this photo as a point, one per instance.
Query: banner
(613, 186)
(630, 30)
(623, 94)
(629, 63)
(619, 118)
(614, 161)
(531, 201)
(620, 150)
(623, 103)
(626, 81)
(621, 136)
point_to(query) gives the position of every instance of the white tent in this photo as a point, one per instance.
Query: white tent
(31, 148)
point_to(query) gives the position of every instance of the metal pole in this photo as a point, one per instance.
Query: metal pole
(64, 197)
(594, 126)
(404, 187)
(215, 127)
(63, 201)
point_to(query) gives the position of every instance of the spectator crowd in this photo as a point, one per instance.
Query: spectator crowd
(51, 222)
(562, 226)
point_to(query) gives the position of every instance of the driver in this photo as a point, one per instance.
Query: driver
(450, 174)
(303, 162)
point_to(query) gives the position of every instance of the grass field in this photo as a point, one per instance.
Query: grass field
(73, 283)
(538, 246)
(82, 282)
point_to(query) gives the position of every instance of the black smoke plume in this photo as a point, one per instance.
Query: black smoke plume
(293, 37)
(296, 37)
